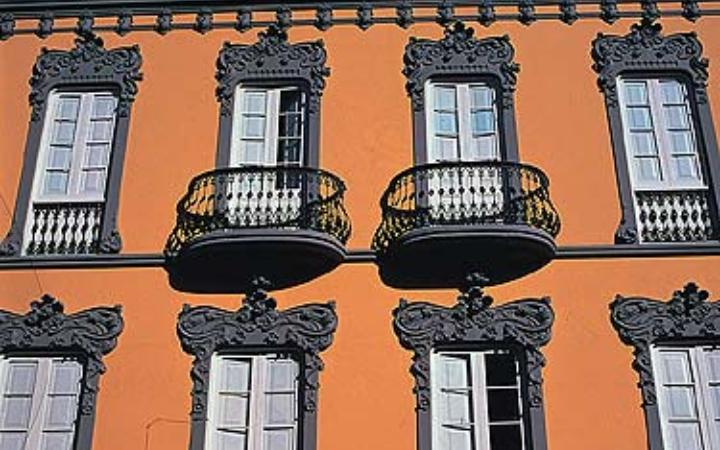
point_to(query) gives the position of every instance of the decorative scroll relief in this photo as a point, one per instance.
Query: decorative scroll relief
(272, 57)
(524, 324)
(642, 322)
(645, 49)
(89, 62)
(92, 333)
(459, 53)
(203, 330)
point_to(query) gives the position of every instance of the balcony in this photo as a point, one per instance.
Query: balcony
(286, 224)
(441, 222)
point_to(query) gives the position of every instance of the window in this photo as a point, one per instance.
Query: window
(39, 403)
(253, 403)
(688, 385)
(462, 122)
(664, 144)
(69, 188)
(477, 403)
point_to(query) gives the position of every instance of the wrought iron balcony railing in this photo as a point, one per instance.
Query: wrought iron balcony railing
(64, 228)
(292, 198)
(675, 216)
(465, 194)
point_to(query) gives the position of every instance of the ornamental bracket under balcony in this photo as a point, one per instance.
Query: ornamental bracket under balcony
(443, 221)
(285, 224)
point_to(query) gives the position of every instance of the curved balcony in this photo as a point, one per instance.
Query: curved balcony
(286, 224)
(443, 221)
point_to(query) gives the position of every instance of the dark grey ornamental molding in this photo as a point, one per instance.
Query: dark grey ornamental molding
(523, 326)
(304, 331)
(87, 65)
(645, 51)
(272, 61)
(47, 331)
(460, 56)
(687, 318)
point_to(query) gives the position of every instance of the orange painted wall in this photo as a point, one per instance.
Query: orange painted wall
(366, 401)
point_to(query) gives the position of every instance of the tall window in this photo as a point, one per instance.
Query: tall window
(688, 388)
(477, 404)
(462, 122)
(39, 404)
(68, 195)
(253, 403)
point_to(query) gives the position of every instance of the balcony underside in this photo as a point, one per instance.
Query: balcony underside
(441, 256)
(226, 261)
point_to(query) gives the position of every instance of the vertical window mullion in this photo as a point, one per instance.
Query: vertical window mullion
(702, 394)
(272, 127)
(39, 404)
(257, 402)
(660, 126)
(479, 393)
(79, 144)
(463, 118)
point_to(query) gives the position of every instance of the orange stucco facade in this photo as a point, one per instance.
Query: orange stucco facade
(366, 400)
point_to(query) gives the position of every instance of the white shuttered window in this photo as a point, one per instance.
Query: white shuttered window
(39, 403)
(687, 382)
(476, 401)
(253, 403)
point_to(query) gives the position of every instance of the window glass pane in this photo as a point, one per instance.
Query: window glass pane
(16, 412)
(647, 169)
(453, 371)
(503, 404)
(235, 375)
(676, 116)
(681, 142)
(482, 122)
(289, 151)
(639, 118)
(446, 149)
(715, 398)
(96, 155)
(713, 362)
(231, 441)
(279, 409)
(55, 183)
(233, 410)
(685, 436)
(253, 152)
(636, 93)
(685, 167)
(57, 441)
(63, 133)
(445, 123)
(456, 408)
(643, 143)
(12, 441)
(290, 101)
(282, 375)
(680, 402)
(254, 102)
(672, 91)
(278, 439)
(61, 412)
(253, 127)
(506, 437)
(676, 367)
(500, 369)
(21, 378)
(457, 439)
(66, 377)
(445, 98)
(101, 130)
(68, 107)
(290, 125)
(59, 158)
(481, 97)
(103, 106)
(93, 181)
(483, 148)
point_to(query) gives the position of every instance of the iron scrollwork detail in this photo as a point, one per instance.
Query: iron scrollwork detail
(307, 329)
(423, 326)
(91, 333)
(271, 58)
(643, 322)
(459, 53)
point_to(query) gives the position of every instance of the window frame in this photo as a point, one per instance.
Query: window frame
(423, 327)
(45, 331)
(646, 53)
(459, 57)
(258, 327)
(86, 67)
(265, 64)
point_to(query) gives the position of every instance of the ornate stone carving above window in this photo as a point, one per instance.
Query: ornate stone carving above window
(86, 67)
(88, 335)
(257, 326)
(522, 326)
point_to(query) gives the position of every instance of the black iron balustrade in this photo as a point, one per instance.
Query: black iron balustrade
(675, 216)
(243, 198)
(64, 228)
(465, 193)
